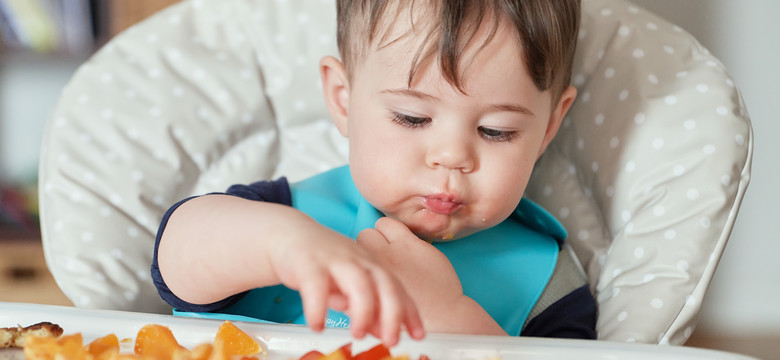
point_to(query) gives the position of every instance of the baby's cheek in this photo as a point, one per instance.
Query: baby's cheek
(499, 209)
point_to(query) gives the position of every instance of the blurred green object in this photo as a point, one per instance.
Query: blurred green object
(19, 205)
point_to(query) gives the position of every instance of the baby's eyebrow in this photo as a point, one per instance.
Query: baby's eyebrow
(411, 93)
(513, 108)
(430, 98)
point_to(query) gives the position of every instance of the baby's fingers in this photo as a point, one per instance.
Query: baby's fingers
(392, 298)
(354, 282)
(397, 308)
(314, 298)
(413, 322)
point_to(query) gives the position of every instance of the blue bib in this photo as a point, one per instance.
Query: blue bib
(504, 268)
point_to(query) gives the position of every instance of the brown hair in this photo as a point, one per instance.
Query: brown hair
(546, 30)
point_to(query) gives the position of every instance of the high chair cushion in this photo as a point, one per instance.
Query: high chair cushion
(647, 172)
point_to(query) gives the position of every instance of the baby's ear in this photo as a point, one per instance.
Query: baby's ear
(335, 89)
(556, 118)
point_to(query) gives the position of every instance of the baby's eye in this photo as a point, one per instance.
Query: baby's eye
(409, 121)
(497, 135)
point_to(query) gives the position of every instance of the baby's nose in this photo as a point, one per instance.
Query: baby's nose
(452, 154)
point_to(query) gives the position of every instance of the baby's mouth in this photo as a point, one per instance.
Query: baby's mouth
(442, 203)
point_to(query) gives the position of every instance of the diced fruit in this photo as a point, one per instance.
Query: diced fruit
(50, 348)
(103, 348)
(342, 353)
(156, 342)
(200, 352)
(312, 355)
(235, 342)
(379, 352)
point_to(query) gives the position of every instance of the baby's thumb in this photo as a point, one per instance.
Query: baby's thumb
(371, 240)
(394, 230)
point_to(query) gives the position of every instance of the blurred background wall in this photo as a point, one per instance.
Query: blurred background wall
(29, 87)
(744, 35)
(42, 42)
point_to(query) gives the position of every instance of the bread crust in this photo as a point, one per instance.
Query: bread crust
(13, 337)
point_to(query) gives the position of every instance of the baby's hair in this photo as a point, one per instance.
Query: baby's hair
(547, 30)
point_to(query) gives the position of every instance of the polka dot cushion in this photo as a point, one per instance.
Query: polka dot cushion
(648, 170)
(646, 174)
(200, 96)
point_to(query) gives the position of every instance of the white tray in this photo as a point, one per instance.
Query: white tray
(291, 341)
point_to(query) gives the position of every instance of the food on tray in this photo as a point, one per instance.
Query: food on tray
(231, 340)
(157, 342)
(14, 336)
(103, 348)
(44, 341)
(378, 352)
(153, 342)
(65, 347)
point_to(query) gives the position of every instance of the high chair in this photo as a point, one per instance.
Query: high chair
(647, 172)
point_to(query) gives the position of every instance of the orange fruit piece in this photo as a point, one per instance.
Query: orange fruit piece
(342, 353)
(231, 341)
(103, 348)
(72, 346)
(123, 356)
(378, 352)
(49, 348)
(200, 352)
(40, 347)
(312, 355)
(156, 342)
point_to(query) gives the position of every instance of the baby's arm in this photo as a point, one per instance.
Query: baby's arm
(430, 280)
(215, 246)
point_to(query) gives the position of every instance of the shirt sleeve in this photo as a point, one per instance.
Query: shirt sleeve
(571, 317)
(275, 191)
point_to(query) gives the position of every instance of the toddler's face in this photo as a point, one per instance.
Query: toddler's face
(445, 163)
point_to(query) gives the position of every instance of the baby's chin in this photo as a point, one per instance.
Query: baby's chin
(435, 227)
(431, 227)
(439, 234)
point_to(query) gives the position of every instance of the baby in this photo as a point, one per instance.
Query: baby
(446, 105)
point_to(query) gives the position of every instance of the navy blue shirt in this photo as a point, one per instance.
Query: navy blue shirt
(572, 316)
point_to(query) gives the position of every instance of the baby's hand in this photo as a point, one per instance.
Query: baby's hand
(424, 271)
(331, 271)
